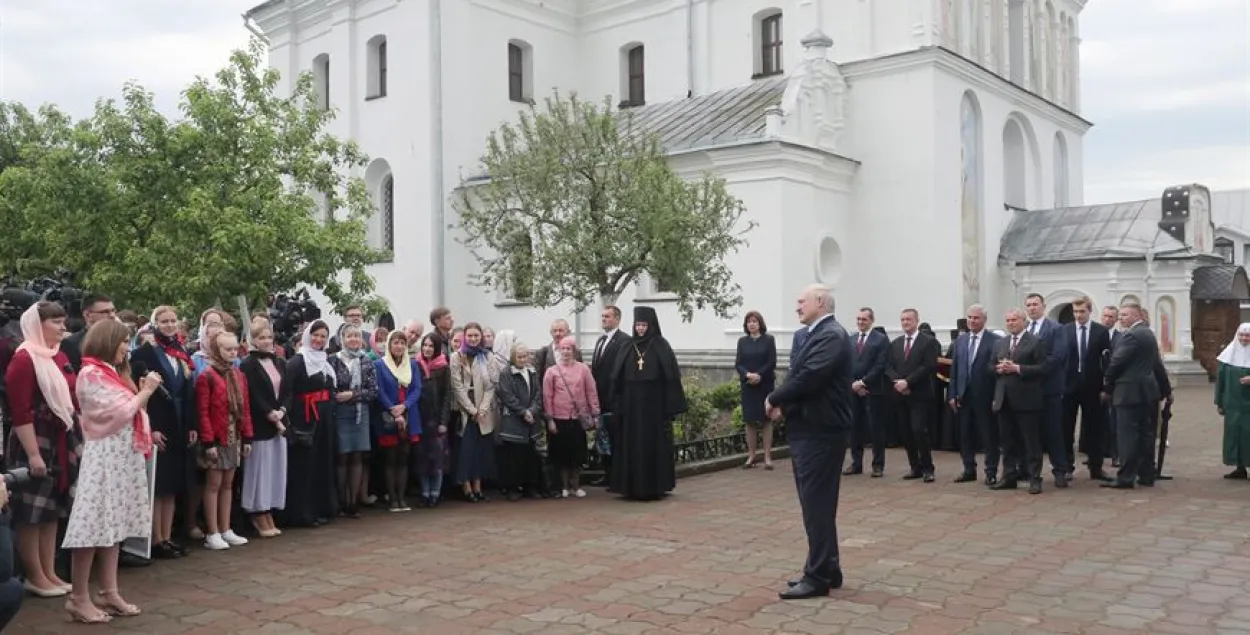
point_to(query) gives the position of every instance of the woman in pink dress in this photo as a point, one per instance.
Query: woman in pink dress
(112, 502)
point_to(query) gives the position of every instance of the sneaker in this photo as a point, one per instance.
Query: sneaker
(233, 539)
(564, 493)
(370, 500)
(216, 543)
(580, 493)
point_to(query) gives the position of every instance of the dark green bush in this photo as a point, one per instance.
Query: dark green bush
(726, 396)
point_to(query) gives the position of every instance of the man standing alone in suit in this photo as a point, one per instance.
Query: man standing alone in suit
(870, 406)
(601, 365)
(1087, 342)
(816, 401)
(1131, 381)
(910, 367)
(971, 394)
(1019, 361)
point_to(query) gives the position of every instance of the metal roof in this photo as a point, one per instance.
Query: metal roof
(1220, 282)
(725, 116)
(1093, 232)
(1231, 208)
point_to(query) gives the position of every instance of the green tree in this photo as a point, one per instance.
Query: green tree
(578, 202)
(226, 201)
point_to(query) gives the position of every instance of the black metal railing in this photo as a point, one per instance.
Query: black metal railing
(697, 449)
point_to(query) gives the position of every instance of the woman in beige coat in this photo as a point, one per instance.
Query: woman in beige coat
(473, 382)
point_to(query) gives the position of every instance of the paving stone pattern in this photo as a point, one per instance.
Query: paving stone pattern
(924, 559)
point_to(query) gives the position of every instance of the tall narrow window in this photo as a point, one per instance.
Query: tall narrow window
(520, 71)
(770, 45)
(634, 76)
(376, 67)
(387, 205)
(321, 81)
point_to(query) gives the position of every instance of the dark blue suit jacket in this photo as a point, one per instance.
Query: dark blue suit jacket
(1051, 332)
(816, 395)
(973, 374)
(869, 364)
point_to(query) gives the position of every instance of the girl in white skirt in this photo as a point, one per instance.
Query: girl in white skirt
(264, 476)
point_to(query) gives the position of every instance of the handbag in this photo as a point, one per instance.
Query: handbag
(588, 422)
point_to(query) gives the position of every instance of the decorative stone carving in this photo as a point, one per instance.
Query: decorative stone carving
(815, 99)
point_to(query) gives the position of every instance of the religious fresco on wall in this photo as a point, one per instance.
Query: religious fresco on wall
(970, 204)
(1165, 323)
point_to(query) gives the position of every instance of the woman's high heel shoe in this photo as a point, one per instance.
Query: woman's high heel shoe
(76, 614)
(115, 606)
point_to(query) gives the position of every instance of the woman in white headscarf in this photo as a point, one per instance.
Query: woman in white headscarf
(311, 494)
(1232, 398)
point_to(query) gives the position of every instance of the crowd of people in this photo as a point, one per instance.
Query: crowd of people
(131, 425)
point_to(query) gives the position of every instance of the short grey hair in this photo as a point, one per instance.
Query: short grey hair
(349, 328)
(821, 293)
(1016, 311)
(976, 308)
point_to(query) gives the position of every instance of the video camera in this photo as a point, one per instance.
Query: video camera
(287, 313)
(16, 298)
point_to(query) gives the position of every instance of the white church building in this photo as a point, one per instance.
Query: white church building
(883, 148)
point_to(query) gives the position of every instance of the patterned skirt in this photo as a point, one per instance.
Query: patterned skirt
(48, 499)
(112, 501)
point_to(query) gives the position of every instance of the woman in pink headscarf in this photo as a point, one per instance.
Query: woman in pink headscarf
(45, 439)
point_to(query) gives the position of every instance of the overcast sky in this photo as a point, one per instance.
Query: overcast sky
(1166, 82)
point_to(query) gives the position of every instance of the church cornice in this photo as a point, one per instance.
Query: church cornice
(972, 73)
(768, 159)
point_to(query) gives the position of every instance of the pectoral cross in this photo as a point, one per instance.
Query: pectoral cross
(641, 360)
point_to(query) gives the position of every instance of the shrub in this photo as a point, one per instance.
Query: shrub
(736, 418)
(698, 416)
(726, 396)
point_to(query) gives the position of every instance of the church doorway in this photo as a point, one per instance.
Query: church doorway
(1062, 313)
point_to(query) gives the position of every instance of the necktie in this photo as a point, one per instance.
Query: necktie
(972, 347)
(1080, 352)
(859, 348)
(907, 348)
(603, 340)
(1014, 339)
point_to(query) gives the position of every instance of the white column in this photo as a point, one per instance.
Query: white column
(1074, 61)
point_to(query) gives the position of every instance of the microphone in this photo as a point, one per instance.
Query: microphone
(141, 370)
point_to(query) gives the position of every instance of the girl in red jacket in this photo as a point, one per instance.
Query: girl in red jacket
(225, 436)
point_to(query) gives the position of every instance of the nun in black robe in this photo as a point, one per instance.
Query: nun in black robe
(646, 396)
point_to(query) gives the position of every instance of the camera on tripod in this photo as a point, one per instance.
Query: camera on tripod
(16, 298)
(287, 313)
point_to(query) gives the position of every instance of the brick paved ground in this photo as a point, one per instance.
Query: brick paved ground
(925, 559)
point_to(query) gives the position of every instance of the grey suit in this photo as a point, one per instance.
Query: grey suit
(1130, 378)
(1019, 400)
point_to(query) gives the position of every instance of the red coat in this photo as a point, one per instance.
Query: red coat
(213, 404)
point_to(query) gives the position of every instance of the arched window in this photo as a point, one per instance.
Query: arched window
(1015, 166)
(633, 75)
(1062, 187)
(321, 80)
(520, 71)
(386, 210)
(376, 68)
(768, 43)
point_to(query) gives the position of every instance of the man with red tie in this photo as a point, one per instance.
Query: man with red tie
(910, 366)
(869, 408)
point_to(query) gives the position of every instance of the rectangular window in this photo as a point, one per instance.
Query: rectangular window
(516, 73)
(770, 45)
(637, 77)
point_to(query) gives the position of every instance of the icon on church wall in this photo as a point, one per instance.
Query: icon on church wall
(1165, 316)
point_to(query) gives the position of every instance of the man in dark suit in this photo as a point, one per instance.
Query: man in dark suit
(816, 401)
(1052, 334)
(1087, 341)
(971, 394)
(1131, 380)
(1019, 361)
(602, 361)
(96, 307)
(547, 356)
(1110, 319)
(910, 367)
(868, 385)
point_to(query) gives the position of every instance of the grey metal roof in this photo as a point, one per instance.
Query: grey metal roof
(1231, 208)
(1220, 282)
(733, 114)
(1094, 232)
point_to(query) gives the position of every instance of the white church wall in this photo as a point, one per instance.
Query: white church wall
(1163, 291)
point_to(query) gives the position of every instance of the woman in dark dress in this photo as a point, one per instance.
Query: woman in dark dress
(435, 408)
(756, 363)
(647, 395)
(173, 416)
(311, 495)
(45, 437)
